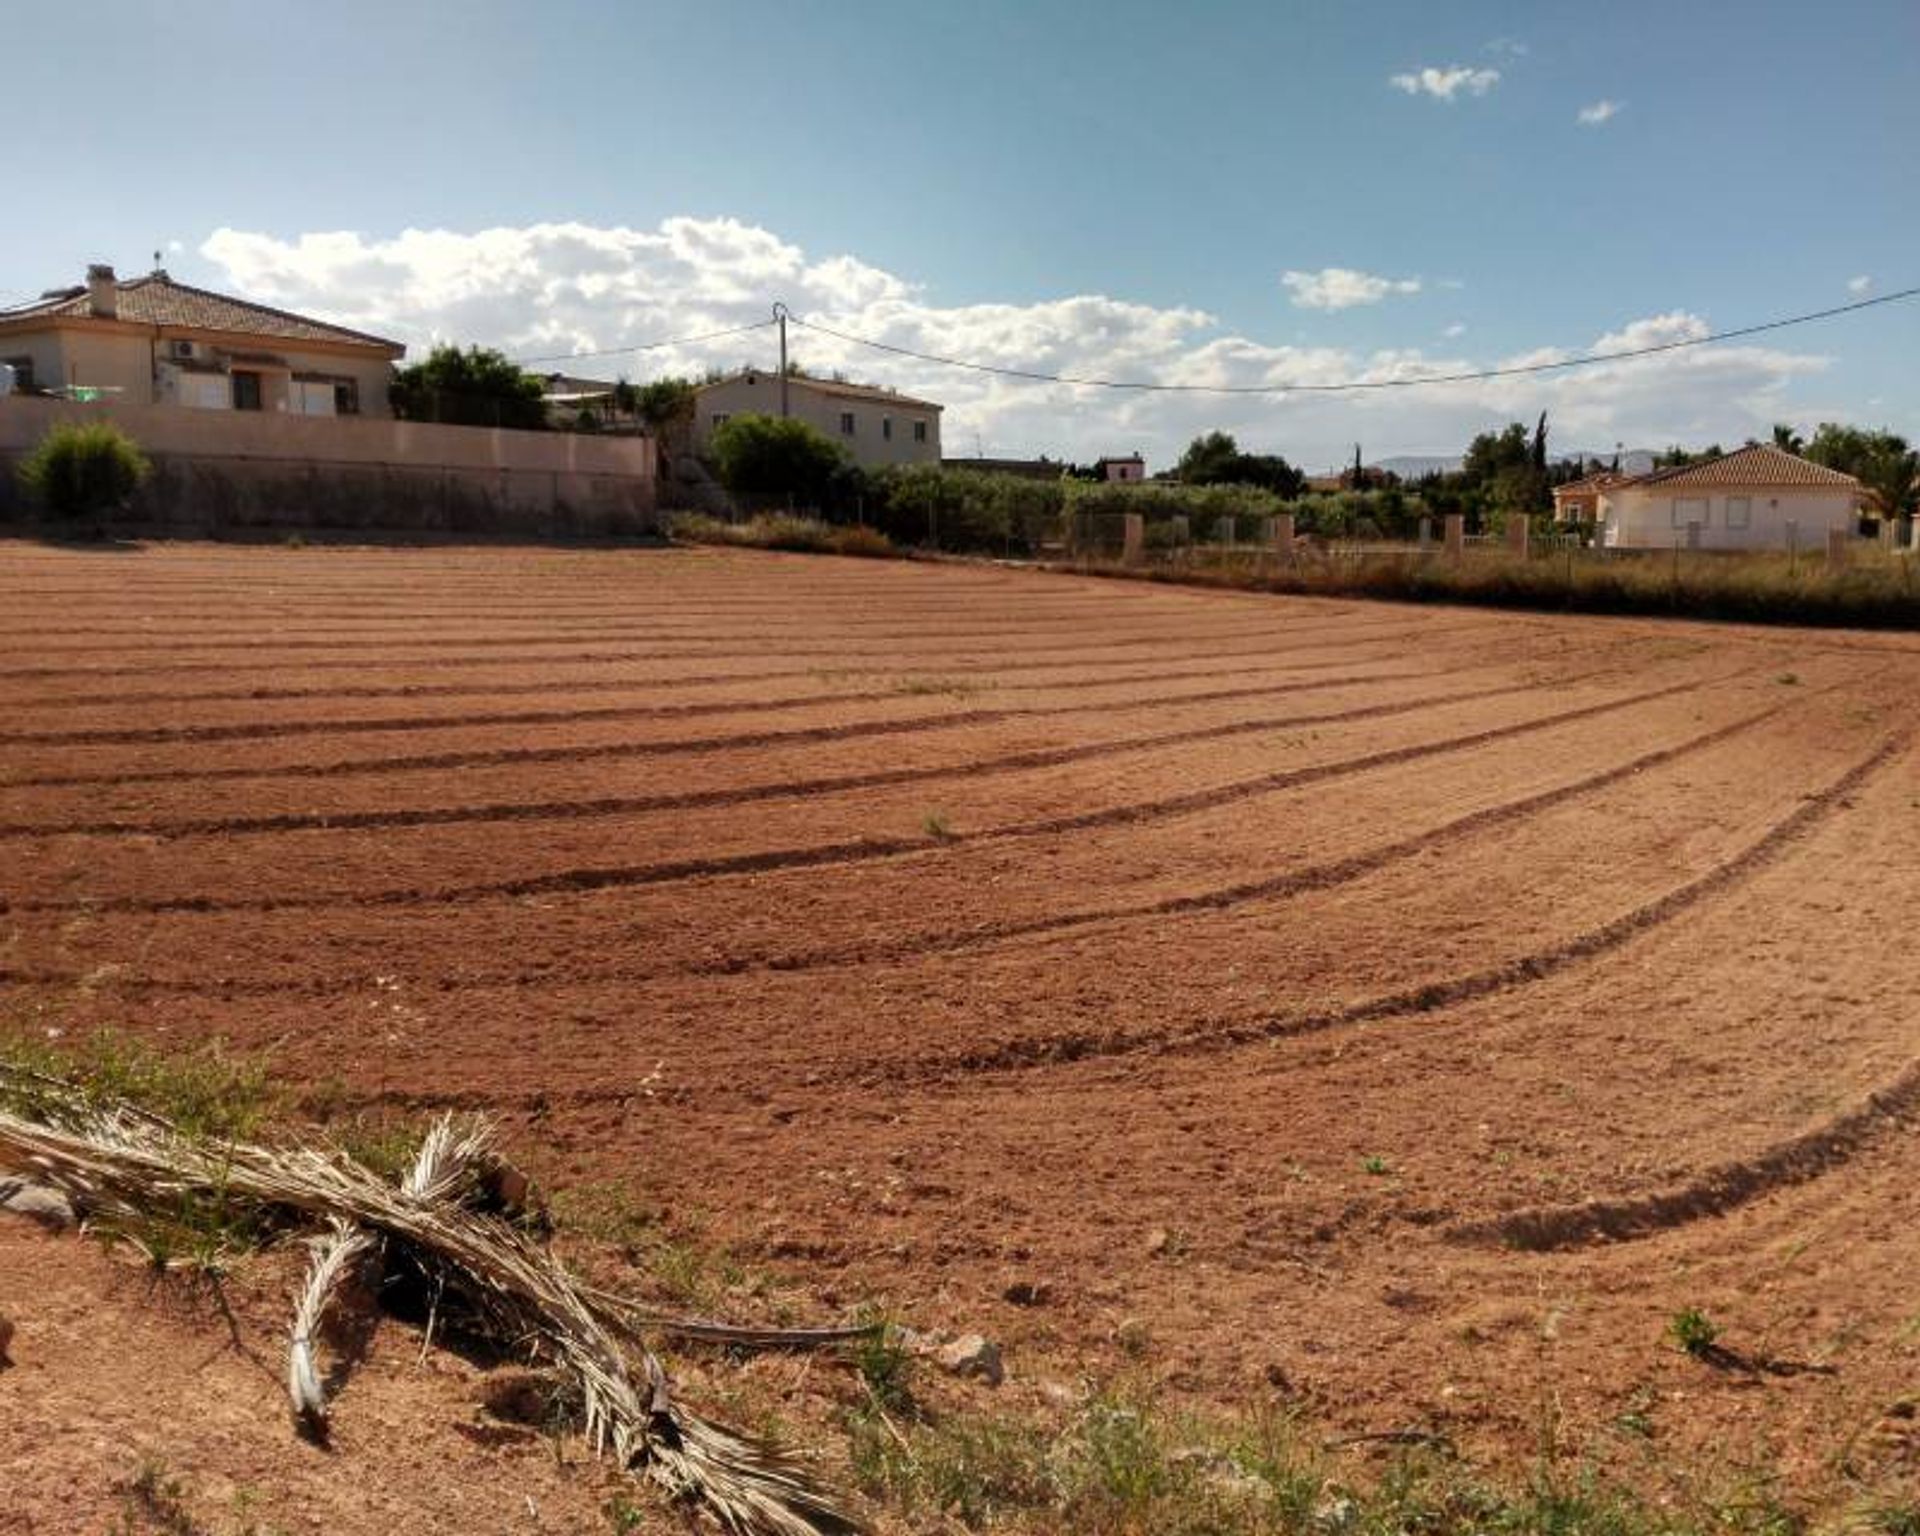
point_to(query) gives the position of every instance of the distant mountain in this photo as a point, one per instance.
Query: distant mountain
(1411, 466)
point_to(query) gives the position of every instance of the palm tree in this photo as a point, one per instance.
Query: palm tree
(1785, 437)
(1892, 477)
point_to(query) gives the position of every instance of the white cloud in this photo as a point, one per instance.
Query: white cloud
(1859, 284)
(1456, 329)
(559, 288)
(1599, 112)
(1343, 288)
(1508, 47)
(1446, 84)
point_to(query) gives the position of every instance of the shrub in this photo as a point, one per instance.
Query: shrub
(84, 469)
(773, 456)
(964, 510)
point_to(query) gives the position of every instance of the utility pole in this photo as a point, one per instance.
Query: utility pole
(780, 314)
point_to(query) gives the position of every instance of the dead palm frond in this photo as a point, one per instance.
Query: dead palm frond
(119, 1162)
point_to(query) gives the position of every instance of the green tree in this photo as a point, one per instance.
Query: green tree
(774, 456)
(1785, 437)
(1882, 461)
(1216, 459)
(1209, 459)
(471, 387)
(666, 406)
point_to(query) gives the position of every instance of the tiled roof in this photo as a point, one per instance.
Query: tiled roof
(1762, 464)
(837, 388)
(158, 300)
(1598, 481)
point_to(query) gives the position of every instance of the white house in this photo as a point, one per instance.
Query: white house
(1760, 497)
(876, 426)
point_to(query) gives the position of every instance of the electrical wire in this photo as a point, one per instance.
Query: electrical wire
(1149, 387)
(648, 346)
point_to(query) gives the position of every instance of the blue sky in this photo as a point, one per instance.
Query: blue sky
(1052, 184)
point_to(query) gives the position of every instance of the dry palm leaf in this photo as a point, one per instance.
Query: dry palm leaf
(117, 1161)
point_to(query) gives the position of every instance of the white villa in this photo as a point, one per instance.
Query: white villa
(1760, 497)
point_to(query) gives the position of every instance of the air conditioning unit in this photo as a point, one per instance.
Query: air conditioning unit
(183, 351)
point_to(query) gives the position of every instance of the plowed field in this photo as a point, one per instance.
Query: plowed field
(1404, 1011)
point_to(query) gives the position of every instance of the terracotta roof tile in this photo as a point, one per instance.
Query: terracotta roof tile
(158, 300)
(1761, 464)
(837, 388)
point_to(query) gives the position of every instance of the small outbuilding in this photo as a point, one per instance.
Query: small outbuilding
(1760, 497)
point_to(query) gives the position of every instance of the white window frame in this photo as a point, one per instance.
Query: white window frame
(1739, 511)
(1682, 515)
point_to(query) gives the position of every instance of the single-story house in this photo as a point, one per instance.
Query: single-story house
(1578, 501)
(152, 341)
(1130, 470)
(877, 426)
(1760, 497)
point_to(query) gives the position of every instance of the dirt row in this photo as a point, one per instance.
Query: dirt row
(1249, 973)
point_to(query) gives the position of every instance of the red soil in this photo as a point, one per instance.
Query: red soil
(926, 929)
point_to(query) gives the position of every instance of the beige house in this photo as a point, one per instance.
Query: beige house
(1760, 497)
(1130, 470)
(152, 341)
(876, 426)
(1578, 501)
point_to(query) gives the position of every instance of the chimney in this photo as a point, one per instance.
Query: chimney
(103, 292)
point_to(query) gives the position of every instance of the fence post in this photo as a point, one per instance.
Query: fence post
(1455, 534)
(1693, 535)
(1283, 536)
(1839, 548)
(1426, 533)
(1519, 526)
(1134, 544)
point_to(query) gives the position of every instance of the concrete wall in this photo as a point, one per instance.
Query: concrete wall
(1656, 517)
(219, 469)
(759, 394)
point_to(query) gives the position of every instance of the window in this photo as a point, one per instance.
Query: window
(22, 372)
(346, 397)
(246, 390)
(886, 428)
(1739, 512)
(846, 423)
(919, 431)
(1690, 509)
(720, 419)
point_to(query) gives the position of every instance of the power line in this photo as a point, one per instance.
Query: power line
(1149, 387)
(647, 346)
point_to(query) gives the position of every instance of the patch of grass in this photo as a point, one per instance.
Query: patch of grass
(205, 1090)
(1126, 1465)
(1376, 1165)
(885, 1366)
(936, 826)
(208, 1093)
(153, 1502)
(1693, 1331)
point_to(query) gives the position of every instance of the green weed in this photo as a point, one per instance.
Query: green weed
(1693, 1331)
